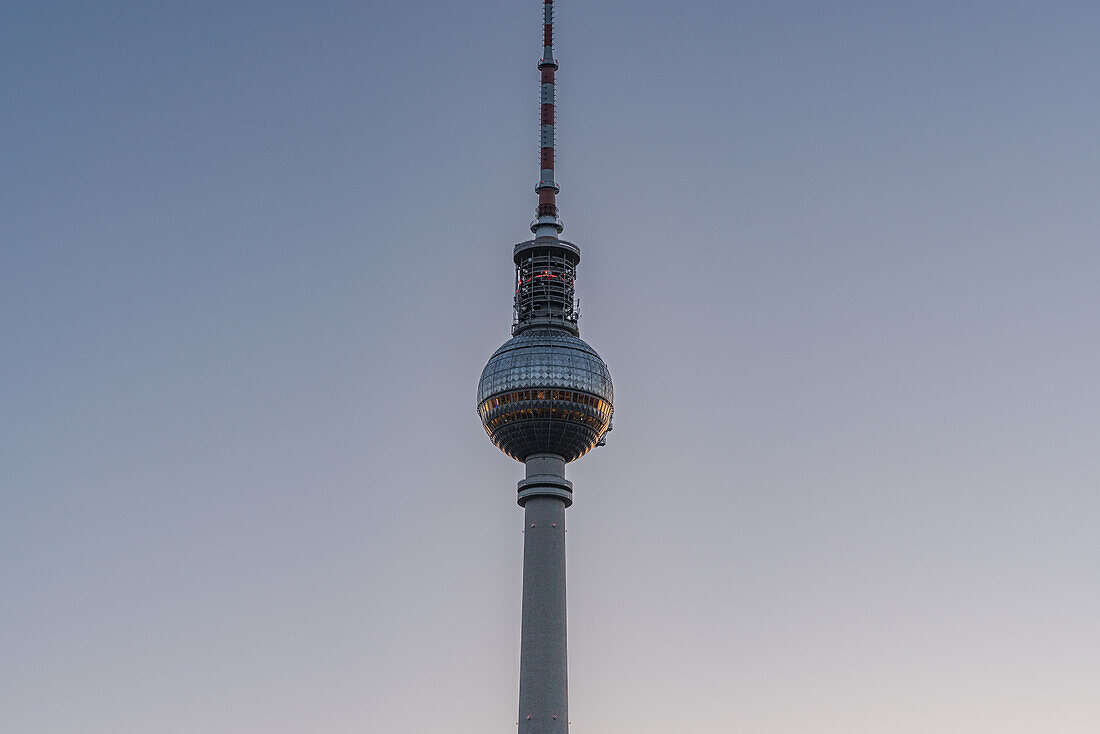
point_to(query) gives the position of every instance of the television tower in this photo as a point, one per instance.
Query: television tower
(545, 398)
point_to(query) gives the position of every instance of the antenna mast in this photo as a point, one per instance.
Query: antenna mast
(546, 215)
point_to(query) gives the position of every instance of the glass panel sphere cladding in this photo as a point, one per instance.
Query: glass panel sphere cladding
(545, 391)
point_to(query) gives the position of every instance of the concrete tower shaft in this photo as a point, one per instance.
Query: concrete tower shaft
(543, 665)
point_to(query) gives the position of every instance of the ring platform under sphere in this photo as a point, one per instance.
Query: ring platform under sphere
(545, 391)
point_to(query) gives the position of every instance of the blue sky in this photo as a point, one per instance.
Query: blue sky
(840, 258)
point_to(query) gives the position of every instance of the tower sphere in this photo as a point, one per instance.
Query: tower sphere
(545, 391)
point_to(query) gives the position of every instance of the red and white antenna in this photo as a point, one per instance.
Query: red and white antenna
(546, 222)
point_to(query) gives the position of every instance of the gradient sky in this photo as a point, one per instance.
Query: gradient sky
(842, 259)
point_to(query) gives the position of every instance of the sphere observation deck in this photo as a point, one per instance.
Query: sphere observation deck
(545, 391)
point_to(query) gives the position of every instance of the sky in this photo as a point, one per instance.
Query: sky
(841, 259)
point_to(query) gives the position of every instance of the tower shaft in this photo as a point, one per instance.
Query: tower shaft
(543, 674)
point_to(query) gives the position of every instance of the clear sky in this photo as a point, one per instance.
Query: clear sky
(842, 259)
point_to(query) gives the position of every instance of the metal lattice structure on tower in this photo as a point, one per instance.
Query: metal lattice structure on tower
(545, 398)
